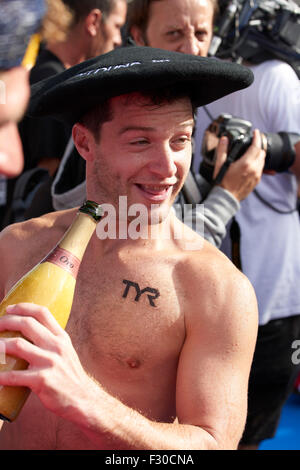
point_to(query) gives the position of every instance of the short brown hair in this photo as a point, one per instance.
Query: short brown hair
(95, 117)
(102, 113)
(81, 8)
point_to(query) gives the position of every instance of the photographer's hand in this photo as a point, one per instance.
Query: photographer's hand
(244, 174)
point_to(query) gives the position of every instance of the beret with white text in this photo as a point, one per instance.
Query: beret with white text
(70, 94)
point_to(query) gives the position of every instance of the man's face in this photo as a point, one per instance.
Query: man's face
(14, 95)
(179, 25)
(110, 29)
(144, 153)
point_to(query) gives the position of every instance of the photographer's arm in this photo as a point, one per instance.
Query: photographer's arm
(211, 218)
(223, 201)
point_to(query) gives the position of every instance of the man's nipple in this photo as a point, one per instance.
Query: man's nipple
(133, 363)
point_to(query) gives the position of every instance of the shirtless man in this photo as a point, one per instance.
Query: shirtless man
(172, 375)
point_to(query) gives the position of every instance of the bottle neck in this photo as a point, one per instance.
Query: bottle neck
(78, 235)
(69, 252)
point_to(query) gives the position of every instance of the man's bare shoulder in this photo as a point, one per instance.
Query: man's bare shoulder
(217, 285)
(23, 244)
(36, 232)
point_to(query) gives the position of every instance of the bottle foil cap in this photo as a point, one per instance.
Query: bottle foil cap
(93, 209)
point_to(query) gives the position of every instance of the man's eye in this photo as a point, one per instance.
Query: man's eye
(139, 142)
(174, 34)
(201, 35)
(182, 140)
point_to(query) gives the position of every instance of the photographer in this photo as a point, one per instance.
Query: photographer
(188, 27)
(268, 219)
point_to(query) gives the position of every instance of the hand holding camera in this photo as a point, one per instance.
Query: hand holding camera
(243, 174)
(228, 138)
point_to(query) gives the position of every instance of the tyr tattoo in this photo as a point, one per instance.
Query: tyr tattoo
(152, 295)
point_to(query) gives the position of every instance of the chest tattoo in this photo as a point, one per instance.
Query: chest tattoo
(152, 294)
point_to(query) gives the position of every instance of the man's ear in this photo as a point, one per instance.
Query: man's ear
(92, 21)
(137, 36)
(83, 141)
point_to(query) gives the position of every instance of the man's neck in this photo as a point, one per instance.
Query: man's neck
(131, 236)
(70, 52)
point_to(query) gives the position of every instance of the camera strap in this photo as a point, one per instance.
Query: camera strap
(190, 190)
(222, 172)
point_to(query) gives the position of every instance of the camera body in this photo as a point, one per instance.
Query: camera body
(280, 147)
(239, 133)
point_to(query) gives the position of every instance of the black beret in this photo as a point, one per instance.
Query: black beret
(70, 94)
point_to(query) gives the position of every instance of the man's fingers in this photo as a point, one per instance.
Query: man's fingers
(23, 378)
(20, 347)
(26, 326)
(257, 139)
(255, 154)
(40, 313)
(33, 322)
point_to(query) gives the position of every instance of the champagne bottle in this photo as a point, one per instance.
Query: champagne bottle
(51, 283)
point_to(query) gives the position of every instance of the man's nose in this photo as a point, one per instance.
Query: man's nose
(163, 164)
(190, 45)
(117, 39)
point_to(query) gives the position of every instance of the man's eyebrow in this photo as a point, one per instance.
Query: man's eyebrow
(135, 128)
(149, 128)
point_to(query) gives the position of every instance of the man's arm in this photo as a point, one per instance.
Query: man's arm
(212, 374)
(217, 355)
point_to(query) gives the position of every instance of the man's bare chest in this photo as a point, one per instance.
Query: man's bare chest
(128, 312)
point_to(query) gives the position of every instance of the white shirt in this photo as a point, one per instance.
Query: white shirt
(270, 243)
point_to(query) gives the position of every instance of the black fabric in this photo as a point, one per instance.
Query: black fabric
(23, 193)
(235, 236)
(47, 64)
(41, 202)
(68, 95)
(73, 173)
(43, 137)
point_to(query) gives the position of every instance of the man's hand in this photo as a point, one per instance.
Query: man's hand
(244, 174)
(55, 373)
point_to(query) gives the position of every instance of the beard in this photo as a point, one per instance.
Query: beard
(122, 208)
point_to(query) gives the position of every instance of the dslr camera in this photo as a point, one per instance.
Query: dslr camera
(280, 150)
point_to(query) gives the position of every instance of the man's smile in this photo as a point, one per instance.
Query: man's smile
(155, 192)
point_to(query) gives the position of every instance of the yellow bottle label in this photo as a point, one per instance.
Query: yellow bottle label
(65, 260)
